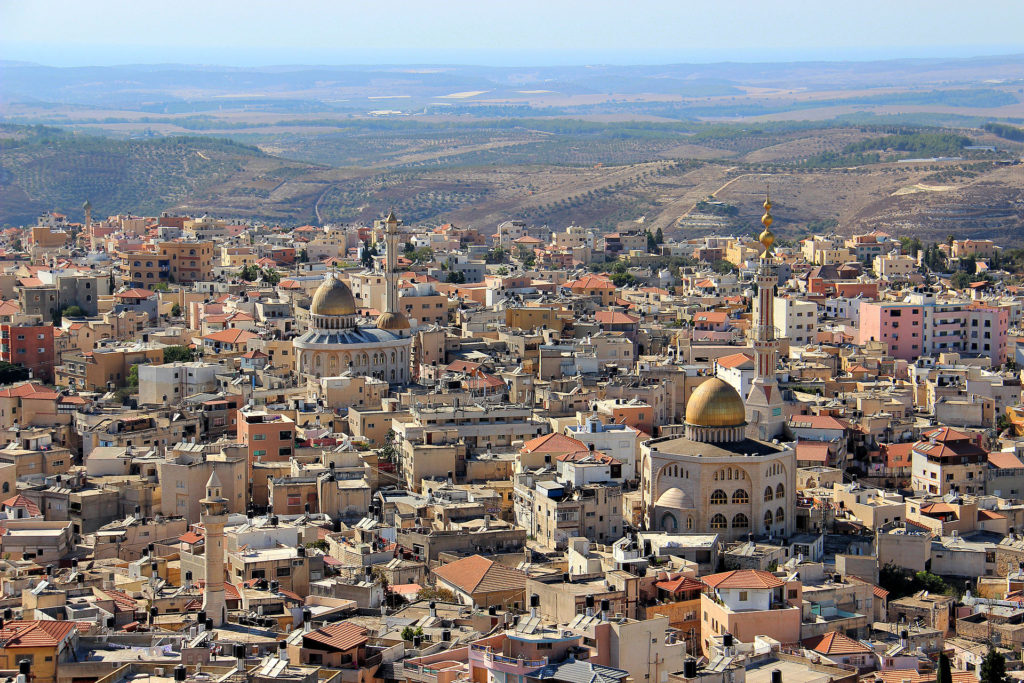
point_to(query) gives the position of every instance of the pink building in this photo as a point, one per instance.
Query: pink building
(900, 325)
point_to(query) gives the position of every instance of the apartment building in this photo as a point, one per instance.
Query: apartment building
(796, 320)
(30, 346)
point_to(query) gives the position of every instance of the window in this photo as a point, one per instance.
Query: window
(780, 516)
(719, 522)
(740, 521)
(740, 497)
(719, 497)
(283, 571)
(780, 491)
(768, 495)
(743, 596)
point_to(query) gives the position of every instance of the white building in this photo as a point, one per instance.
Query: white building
(617, 440)
(796, 320)
(169, 383)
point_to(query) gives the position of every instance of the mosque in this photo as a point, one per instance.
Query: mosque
(728, 474)
(336, 342)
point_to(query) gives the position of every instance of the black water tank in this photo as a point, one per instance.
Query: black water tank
(180, 674)
(690, 668)
(776, 676)
(238, 650)
(727, 640)
(209, 624)
(154, 611)
(492, 610)
(534, 600)
(188, 575)
(416, 640)
(201, 617)
(606, 605)
(589, 601)
(301, 551)
(446, 635)
(24, 667)
(111, 622)
(282, 645)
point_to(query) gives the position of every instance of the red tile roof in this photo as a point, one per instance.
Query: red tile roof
(20, 501)
(591, 282)
(735, 360)
(553, 443)
(614, 318)
(135, 294)
(477, 574)
(743, 578)
(1005, 461)
(342, 636)
(190, 537)
(835, 643)
(232, 336)
(36, 633)
(680, 583)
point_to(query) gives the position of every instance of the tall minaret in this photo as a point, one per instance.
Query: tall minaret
(87, 207)
(214, 516)
(391, 262)
(765, 418)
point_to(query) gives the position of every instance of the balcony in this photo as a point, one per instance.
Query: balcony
(487, 657)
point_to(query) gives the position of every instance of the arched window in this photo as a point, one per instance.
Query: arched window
(780, 516)
(780, 491)
(740, 497)
(719, 522)
(719, 497)
(767, 519)
(716, 476)
(668, 522)
(768, 495)
(689, 523)
(740, 521)
(7, 487)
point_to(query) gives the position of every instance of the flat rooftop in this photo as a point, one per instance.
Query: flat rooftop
(792, 672)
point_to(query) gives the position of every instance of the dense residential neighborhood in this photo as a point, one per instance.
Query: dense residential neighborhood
(514, 453)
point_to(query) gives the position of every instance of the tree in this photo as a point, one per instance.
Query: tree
(11, 373)
(496, 255)
(456, 277)
(161, 287)
(388, 451)
(944, 674)
(960, 279)
(270, 276)
(73, 311)
(133, 377)
(178, 354)
(1003, 422)
(652, 244)
(369, 251)
(501, 270)
(724, 267)
(993, 667)
(175, 310)
(249, 273)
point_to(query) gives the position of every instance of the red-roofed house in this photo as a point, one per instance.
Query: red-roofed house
(544, 450)
(842, 649)
(678, 598)
(749, 603)
(19, 507)
(231, 341)
(479, 581)
(597, 287)
(47, 644)
(945, 457)
(336, 646)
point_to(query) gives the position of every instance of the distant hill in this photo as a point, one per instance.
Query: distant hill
(44, 168)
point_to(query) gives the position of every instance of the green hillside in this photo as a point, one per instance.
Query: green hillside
(44, 168)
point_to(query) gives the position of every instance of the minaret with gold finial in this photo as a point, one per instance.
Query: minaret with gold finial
(765, 416)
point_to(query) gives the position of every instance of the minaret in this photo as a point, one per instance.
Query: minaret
(214, 516)
(765, 418)
(391, 262)
(87, 207)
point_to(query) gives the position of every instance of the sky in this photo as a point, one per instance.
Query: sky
(501, 32)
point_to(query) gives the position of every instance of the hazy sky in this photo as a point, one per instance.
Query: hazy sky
(520, 32)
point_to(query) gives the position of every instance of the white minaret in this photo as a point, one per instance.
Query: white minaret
(214, 516)
(765, 416)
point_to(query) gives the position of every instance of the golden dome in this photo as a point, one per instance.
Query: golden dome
(392, 322)
(715, 404)
(333, 297)
(767, 239)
